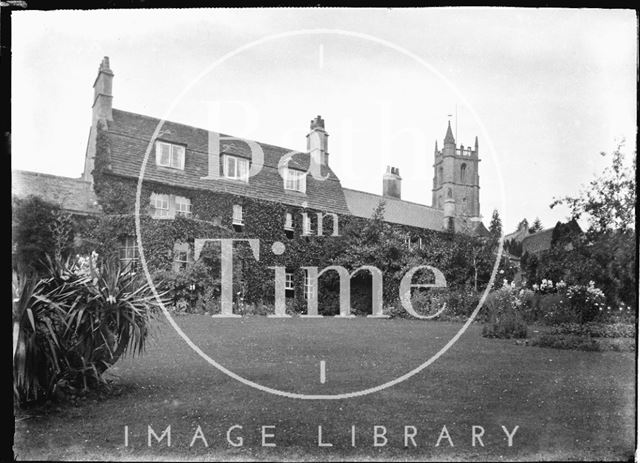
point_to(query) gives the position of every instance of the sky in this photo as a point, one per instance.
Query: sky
(545, 90)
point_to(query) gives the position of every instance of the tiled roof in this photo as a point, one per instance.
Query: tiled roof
(362, 204)
(478, 229)
(538, 242)
(130, 134)
(72, 194)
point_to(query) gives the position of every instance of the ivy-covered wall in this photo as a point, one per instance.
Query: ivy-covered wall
(360, 242)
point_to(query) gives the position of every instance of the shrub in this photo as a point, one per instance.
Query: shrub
(74, 322)
(504, 314)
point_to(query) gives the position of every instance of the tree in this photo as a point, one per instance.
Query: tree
(536, 226)
(609, 201)
(495, 227)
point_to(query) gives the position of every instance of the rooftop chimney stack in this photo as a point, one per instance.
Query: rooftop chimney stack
(102, 96)
(318, 142)
(392, 183)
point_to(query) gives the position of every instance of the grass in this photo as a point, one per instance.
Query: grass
(567, 404)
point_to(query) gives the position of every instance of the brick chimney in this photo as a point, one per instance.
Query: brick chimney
(318, 142)
(102, 96)
(392, 183)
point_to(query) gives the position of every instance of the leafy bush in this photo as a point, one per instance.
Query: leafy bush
(504, 314)
(73, 323)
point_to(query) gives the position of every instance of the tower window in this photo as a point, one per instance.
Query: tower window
(463, 173)
(449, 193)
(440, 175)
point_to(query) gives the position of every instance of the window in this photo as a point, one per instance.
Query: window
(238, 218)
(308, 287)
(288, 281)
(183, 206)
(181, 255)
(449, 193)
(288, 222)
(169, 155)
(236, 168)
(295, 180)
(440, 175)
(128, 252)
(160, 205)
(306, 224)
(463, 173)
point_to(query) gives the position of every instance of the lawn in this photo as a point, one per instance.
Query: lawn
(567, 404)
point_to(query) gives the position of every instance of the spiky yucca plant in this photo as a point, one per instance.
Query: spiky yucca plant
(75, 322)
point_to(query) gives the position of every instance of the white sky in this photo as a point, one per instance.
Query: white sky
(552, 87)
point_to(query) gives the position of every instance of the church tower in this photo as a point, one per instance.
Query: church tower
(456, 183)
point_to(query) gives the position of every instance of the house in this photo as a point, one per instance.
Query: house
(243, 186)
(560, 234)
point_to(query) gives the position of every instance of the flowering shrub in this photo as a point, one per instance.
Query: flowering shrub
(621, 314)
(586, 301)
(505, 313)
(560, 303)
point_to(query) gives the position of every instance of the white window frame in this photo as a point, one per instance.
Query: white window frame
(288, 281)
(130, 248)
(295, 180)
(238, 215)
(307, 286)
(176, 154)
(306, 225)
(157, 202)
(178, 262)
(233, 169)
(288, 221)
(183, 206)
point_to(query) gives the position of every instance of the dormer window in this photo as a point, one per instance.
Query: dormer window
(236, 168)
(169, 155)
(295, 180)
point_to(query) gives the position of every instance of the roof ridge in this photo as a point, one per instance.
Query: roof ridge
(36, 173)
(389, 198)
